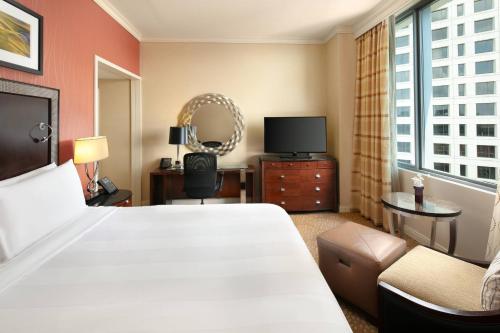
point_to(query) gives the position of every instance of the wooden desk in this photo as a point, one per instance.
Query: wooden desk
(168, 184)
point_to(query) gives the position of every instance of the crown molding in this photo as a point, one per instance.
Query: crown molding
(119, 18)
(341, 29)
(232, 41)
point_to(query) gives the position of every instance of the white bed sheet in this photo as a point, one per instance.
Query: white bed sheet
(211, 268)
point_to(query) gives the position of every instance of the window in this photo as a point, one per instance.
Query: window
(445, 167)
(403, 76)
(463, 170)
(485, 67)
(441, 110)
(440, 91)
(486, 172)
(404, 147)
(440, 72)
(485, 109)
(461, 50)
(485, 88)
(460, 29)
(440, 53)
(485, 130)
(403, 93)
(441, 129)
(439, 34)
(461, 110)
(461, 70)
(483, 46)
(462, 129)
(441, 149)
(402, 59)
(463, 150)
(403, 129)
(486, 151)
(460, 9)
(461, 89)
(403, 111)
(402, 41)
(483, 25)
(482, 5)
(440, 14)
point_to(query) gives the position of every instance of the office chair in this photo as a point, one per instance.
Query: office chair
(201, 178)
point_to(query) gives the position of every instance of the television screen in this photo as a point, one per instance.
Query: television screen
(295, 134)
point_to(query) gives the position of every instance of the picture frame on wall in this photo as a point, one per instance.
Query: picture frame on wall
(21, 38)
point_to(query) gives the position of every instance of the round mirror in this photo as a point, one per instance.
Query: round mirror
(214, 124)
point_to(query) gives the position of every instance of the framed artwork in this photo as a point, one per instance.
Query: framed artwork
(21, 32)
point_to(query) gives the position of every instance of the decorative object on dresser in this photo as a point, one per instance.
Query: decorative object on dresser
(178, 136)
(201, 179)
(300, 185)
(22, 29)
(120, 198)
(168, 184)
(91, 150)
(24, 107)
(214, 124)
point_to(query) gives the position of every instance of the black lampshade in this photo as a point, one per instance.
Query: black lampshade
(178, 136)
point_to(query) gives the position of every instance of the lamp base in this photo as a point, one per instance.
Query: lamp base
(177, 165)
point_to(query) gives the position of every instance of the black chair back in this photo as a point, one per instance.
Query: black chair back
(200, 175)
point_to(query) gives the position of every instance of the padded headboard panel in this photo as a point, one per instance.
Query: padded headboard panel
(26, 142)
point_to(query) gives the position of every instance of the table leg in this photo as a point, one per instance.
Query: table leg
(433, 234)
(392, 219)
(453, 236)
(401, 226)
(243, 186)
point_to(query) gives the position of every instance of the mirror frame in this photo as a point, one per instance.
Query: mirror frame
(194, 105)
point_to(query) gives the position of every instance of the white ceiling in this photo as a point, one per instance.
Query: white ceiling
(306, 21)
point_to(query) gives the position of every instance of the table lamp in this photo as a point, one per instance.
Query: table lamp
(91, 150)
(178, 136)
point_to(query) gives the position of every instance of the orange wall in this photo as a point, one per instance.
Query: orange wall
(75, 31)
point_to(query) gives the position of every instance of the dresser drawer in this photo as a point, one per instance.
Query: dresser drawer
(325, 164)
(281, 175)
(315, 189)
(299, 165)
(271, 165)
(318, 175)
(289, 204)
(318, 202)
(279, 190)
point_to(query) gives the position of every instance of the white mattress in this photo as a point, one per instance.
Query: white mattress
(212, 268)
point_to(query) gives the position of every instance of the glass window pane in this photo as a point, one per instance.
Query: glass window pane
(485, 67)
(482, 5)
(462, 129)
(444, 167)
(440, 72)
(440, 91)
(460, 9)
(461, 50)
(402, 59)
(485, 88)
(402, 41)
(485, 130)
(463, 150)
(483, 25)
(485, 172)
(461, 70)
(403, 111)
(404, 147)
(486, 151)
(440, 14)
(403, 76)
(461, 110)
(441, 110)
(461, 89)
(460, 29)
(485, 109)
(463, 170)
(438, 34)
(403, 129)
(483, 46)
(441, 129)
(440, 53)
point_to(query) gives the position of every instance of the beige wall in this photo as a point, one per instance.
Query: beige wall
(262, 79)
(341, 79)
(114, 123)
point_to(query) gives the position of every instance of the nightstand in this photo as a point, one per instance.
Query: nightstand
(121, 198)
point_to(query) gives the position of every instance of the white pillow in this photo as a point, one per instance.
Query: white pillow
(490, 291)
(34, 207)
(27, 175)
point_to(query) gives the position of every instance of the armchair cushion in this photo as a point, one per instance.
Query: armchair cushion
(490, 291)
(437, 278)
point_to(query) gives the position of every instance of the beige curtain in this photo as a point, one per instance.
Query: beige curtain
(372, 128)
(494, 237)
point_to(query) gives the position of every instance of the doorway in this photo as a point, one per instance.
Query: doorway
(117, 115)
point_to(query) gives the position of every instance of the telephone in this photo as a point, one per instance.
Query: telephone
(107, 185)
(165, 163)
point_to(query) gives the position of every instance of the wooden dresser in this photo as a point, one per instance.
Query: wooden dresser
(300, 185)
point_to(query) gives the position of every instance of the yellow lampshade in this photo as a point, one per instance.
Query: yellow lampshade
(91, 149)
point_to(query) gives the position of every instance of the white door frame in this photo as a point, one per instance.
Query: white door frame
(135, 123)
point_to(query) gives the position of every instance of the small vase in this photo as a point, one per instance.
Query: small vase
(419, 194)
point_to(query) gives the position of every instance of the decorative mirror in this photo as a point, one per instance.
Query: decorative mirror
(214, 124)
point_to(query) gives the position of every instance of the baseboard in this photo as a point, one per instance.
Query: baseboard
(145, 203)
(345, 209)
(422, 239)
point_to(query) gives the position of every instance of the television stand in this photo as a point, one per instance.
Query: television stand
(296, 156)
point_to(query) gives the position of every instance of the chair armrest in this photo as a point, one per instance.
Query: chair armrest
(399, 311)
(220, 181)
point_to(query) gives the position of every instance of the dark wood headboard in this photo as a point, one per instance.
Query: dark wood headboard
(26, 142)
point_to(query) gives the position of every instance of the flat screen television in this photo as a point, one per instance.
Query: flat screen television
(298, 136)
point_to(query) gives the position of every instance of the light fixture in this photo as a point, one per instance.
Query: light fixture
(178, 136)
(91, 150)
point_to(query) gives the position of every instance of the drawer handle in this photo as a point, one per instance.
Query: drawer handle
(282, 189)
(282, 176)
(290, 164)
(317, 189)
(283, 203)
(318, 175)
(318, 202)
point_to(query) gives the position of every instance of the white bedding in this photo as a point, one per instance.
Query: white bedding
(211, 268)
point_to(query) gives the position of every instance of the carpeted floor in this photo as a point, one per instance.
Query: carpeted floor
(312, 224)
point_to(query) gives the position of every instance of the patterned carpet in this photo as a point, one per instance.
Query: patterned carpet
(312, 224)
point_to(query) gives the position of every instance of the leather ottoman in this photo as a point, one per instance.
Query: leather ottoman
(352, 256)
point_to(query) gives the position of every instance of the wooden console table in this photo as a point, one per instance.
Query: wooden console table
(168, 184)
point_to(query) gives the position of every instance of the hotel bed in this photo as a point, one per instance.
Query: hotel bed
(211, 268)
